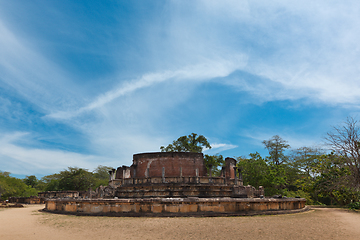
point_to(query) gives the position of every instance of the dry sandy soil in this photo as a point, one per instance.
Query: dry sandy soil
(319, 223)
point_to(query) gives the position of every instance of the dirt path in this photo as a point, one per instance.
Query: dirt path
(322, 223)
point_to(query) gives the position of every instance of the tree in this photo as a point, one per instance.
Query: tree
(345, 141)
(331, 181)
(253, 170)
(14, 187)
(276, 147)
(101, 175)
(190, 143)
(305, 158)
(216, 161)
(31, 181)
(77, 179)
(49, 183)
(102, 172)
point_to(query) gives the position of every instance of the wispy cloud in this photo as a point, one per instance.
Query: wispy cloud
(21, 160)
(219, 147)
(129, 80)
(204, 71)
(33, 76)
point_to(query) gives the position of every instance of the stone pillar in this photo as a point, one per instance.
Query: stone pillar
(197, 175)
(210, 173)
(181, 172)
(229, 164)
(236, 179)
(240, 175)
(113, 174)
(135, 171)
(110, 175)
(261, 191)
(163, 174)
(147, 173)
(223, 173)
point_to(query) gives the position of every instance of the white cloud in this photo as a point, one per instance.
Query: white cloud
(300, 49)
(204, 71)
(22, 160)
(293, 50)
(34, 77)
(219, 147)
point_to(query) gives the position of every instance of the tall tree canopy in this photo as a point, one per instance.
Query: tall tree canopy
(190, 143)
(276, 147)
(216, 162)
(345, 141)
(14, 187)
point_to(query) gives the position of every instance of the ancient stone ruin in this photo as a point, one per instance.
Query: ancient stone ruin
(175, 174)
(173, 183)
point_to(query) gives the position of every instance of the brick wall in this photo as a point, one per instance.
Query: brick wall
(171, 162)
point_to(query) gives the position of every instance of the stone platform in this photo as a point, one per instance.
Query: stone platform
(191, 206)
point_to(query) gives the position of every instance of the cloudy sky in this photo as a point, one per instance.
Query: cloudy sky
(88, 83)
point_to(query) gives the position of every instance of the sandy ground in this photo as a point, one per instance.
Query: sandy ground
(320, 223)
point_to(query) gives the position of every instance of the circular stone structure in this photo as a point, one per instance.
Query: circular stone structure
(174, 184)
(168, 207)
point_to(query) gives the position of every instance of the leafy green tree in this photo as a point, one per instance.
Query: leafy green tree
(254, 170)
(73, 178)
(77, 179)
(31, 181)
(276, 147)
(345, 141)
(102, 172)
(190, 143)
(216, 161)
(49, 183)
(305, 159)
(258, 171)
(332, 181)
(14, 187)
(101, 175)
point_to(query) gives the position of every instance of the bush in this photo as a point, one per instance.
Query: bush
(354, 205)
(299, 193)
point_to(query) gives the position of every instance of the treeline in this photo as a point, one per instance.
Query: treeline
(322, 176)
(330, 176)
(73, 178)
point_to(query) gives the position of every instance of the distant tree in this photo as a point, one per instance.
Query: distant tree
(216, 161)
(77, 179)
(102, 172)
(190, 143)
(276, 147)
(332, 181)
(305, 158)
(345, 141)
(31, 181)
(49, 183)
(101, 175)
(14, 187)
(254, 170)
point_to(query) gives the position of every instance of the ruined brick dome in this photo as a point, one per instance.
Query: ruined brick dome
(167, 183)
(172, 164)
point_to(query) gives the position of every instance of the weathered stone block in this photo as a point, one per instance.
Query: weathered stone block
(156, 208)
(171, 208)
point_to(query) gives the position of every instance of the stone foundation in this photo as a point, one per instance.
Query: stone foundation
(175, 206)
(27, 200)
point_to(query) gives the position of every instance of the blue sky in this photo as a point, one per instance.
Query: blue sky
(88, 83)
